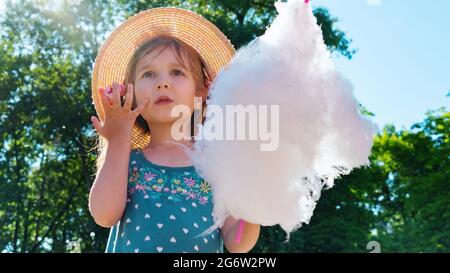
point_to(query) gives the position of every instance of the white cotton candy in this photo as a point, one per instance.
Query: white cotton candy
(320, 126)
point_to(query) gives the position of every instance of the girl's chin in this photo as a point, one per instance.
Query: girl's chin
(160, 119)
(163, 115)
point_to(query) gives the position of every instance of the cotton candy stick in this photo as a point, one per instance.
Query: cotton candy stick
(240, 231)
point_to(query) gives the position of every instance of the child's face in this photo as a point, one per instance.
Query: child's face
(160, 76)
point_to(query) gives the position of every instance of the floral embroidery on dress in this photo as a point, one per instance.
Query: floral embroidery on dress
(156, 183)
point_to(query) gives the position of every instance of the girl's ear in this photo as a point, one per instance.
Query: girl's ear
(203, 92)
(207, 84)
(206, 88)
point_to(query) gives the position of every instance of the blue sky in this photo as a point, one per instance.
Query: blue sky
(402, 67)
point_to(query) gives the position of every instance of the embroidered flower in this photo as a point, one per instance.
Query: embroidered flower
(140, 187)
(180, 186)
(203, 200)
(204, 187)
(149, 176)
(191, 195)
(189, 181)
(134, 175)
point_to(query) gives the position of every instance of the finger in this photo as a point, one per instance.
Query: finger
(129, 97)
(116, 95)
(141, 107)
(105, 101)
(97, 124)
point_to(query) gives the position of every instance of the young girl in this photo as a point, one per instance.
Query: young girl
(146, 188)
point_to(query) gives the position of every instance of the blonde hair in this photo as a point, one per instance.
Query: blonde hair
(185, 55)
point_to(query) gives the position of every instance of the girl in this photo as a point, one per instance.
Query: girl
(148, 192)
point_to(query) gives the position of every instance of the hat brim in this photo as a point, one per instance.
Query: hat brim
(111, 62)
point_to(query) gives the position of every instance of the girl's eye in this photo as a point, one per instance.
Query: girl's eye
(177, 72)
(149, 74)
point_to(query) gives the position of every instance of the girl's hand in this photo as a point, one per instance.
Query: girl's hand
(119, 120)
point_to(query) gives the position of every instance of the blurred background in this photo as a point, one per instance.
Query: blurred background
(395, 52)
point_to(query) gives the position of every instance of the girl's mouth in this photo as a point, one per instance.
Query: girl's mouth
(163, 100)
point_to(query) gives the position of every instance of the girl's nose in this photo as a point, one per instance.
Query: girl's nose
(162, 85)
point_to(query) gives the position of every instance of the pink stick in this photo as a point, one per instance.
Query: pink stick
(240, 230)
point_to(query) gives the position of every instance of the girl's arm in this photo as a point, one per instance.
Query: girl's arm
(248, 239)
(107, 198)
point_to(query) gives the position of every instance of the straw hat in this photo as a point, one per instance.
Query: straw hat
(112, 60)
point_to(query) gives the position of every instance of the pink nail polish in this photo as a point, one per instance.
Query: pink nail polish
(123, 90)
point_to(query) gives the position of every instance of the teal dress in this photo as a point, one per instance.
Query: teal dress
(167, 207)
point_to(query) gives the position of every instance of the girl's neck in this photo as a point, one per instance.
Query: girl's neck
(161, 137)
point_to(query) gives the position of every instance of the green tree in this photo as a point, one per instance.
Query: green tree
(45, 90)
(415, 208)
